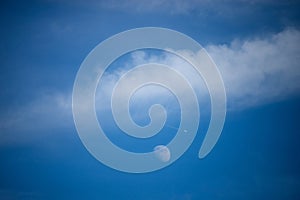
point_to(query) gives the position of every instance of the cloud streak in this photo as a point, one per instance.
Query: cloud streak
(255, 71)
(47, 112)
(260, 70)
(227, 8)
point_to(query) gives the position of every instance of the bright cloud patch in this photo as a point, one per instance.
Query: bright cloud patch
(260, 70)
(47, 112)
(255, 72)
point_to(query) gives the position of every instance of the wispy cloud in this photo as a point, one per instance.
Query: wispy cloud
(219, 7)
(47, 112)
(149, 6)
(146, 94)
(255, 71)
(260, 70)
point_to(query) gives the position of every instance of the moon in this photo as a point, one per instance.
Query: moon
(162, 153)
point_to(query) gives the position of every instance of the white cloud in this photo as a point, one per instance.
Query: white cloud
(177, 6)
(143, 95)
(259, 71)
(219, 7)
(255, 72)
(47, 112)
(227, 8)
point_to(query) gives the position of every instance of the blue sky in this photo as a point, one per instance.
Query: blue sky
(255, 46)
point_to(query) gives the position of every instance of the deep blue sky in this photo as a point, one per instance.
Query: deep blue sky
(42, 45)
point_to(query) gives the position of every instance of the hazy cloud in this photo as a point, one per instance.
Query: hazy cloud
(219, 7)
(255, 72)
(47, 112)
(260, 70)
(146, 93)
(225, 8)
